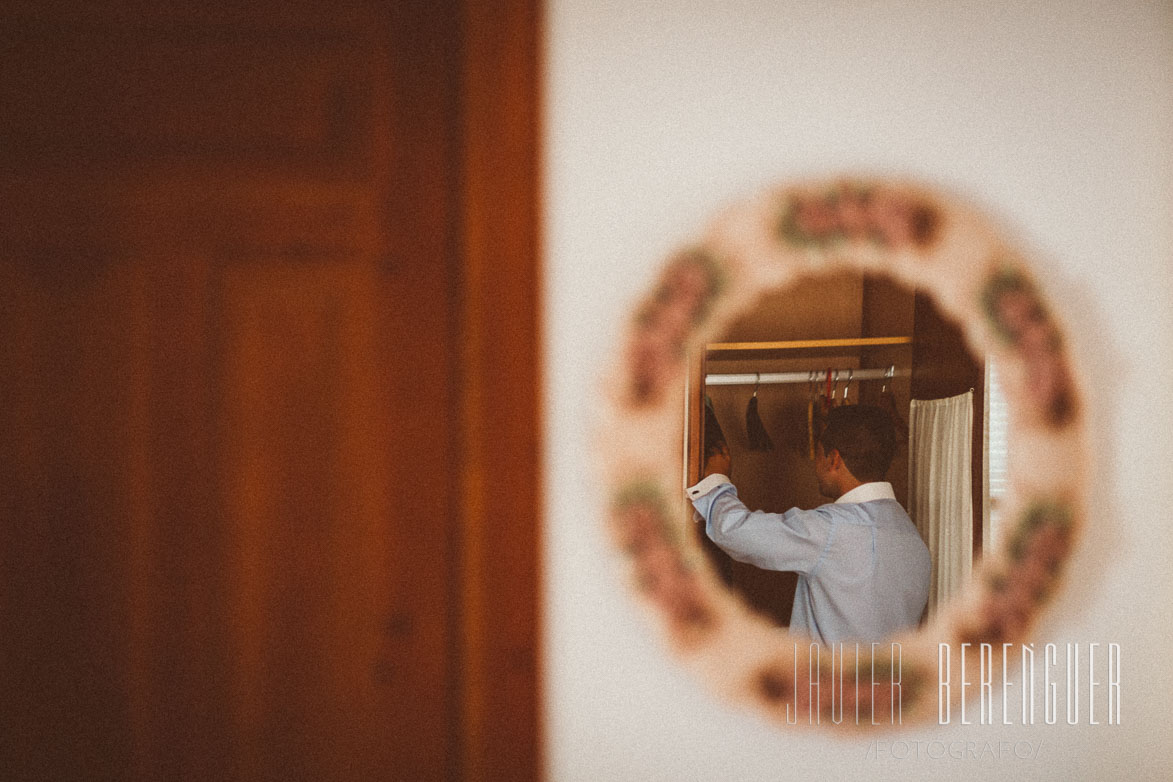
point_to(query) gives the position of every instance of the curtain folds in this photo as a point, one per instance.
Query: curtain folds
(940, 489)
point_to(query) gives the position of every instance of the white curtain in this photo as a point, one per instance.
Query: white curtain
(940, 489)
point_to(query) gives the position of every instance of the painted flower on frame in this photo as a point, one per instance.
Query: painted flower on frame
(890, 218)
(1038, 548)
(665, 321)
(801, 229)
(643, 530)
(1017, 315)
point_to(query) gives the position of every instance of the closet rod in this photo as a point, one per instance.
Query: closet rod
(771, 378)
(800, 344)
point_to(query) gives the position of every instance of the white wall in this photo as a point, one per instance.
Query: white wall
(1057, 117)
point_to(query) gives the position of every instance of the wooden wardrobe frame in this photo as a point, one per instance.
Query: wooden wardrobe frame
(500, 450)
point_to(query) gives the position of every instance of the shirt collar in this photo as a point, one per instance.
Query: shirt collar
(866, 492)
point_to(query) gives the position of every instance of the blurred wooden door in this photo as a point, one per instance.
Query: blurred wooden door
(246, 388)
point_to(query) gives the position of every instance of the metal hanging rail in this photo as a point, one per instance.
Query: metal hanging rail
(807, 376)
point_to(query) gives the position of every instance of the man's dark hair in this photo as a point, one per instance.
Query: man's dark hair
(865, 438)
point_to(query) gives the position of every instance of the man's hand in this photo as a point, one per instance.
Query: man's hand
(719, 462)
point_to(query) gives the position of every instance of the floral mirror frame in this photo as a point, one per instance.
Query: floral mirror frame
(925, 240)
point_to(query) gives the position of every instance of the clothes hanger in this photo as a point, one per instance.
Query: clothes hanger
(759, 438)
(812, 392)
(888, 402)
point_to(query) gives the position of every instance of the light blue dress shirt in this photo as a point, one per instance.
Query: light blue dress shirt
(863, 570)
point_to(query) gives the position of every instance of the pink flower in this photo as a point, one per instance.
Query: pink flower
(652, 356)
(891, 218)
(1031, 578)
(1004, 616)
(1048, 545)
(816, 218)
(688, 284)
(674, 319)
(1051, 385)
(638, 525)
(854, 216)
(1017, 311)
(671, 586)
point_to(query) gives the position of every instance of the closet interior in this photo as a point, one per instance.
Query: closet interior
(846, 338)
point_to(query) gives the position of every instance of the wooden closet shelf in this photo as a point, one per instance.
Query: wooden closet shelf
(807, 344)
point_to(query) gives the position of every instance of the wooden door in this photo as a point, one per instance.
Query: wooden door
(245, 392)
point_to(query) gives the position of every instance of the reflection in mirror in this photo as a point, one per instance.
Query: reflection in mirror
(764, 392)
(786, 299)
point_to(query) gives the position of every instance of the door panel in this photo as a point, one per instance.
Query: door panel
(306, 495)
(63, 452)
(294, 94)
(235, 287)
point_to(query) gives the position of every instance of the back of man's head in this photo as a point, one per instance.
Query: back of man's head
(865, 438)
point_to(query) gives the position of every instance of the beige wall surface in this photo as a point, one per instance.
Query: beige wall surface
(1056, 118)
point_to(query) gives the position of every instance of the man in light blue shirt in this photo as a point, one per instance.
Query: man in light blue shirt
(863, 570)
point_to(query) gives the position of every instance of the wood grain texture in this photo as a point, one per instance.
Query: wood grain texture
(270, 467)
(500, 382)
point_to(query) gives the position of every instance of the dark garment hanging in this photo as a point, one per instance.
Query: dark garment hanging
(759, 438)
(816, 420)
(888, 403)
(714, 437)
(714, 442)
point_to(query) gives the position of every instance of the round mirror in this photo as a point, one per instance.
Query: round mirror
(788, 564)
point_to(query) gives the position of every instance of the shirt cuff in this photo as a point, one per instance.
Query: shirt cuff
(706, 485)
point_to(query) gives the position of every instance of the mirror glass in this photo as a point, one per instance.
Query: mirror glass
(764, 389)
(838, 322)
